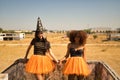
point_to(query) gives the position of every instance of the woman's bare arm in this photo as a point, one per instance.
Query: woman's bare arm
(67, 53)
(84, 53)
(27, 52)
(52, 55)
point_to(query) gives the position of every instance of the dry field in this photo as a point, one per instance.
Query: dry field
(97, 49)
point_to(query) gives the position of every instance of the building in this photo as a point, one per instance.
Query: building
(113, 36)
(100, 30)
(11, 36)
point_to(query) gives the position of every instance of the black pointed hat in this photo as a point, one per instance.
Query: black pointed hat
(39, 25)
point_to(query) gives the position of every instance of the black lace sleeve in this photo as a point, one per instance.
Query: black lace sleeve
(48, 45)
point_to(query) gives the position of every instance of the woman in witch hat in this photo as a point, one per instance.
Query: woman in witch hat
(39, 63)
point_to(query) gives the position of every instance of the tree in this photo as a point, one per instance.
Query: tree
(95, 36)
(1, 29)
(87, 30)
(118, 30)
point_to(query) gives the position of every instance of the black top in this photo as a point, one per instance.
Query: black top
(40, 46)
(74, 52)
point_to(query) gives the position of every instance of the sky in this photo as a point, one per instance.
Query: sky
(59, 14)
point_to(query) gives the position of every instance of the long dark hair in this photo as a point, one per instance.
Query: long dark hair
(37, 38)
(44, 40)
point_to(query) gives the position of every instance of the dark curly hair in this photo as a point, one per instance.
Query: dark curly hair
(72, 36)
(82, 36)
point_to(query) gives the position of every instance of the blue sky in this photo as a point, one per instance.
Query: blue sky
(59, 14)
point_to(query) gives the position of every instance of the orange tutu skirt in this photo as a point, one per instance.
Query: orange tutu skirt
(39, 64)
(76, 65)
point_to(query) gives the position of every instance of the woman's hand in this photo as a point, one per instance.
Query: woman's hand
(57, 61)
(60, 62)
(60, 65)
(25, 59)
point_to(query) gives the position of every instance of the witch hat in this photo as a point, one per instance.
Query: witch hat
(39, 25)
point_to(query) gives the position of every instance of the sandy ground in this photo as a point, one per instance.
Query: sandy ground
(97, 49)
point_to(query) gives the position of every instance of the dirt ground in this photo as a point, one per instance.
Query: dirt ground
(97, 49)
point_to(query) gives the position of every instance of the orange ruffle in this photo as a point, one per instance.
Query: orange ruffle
(76, 65)
(39, 64)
